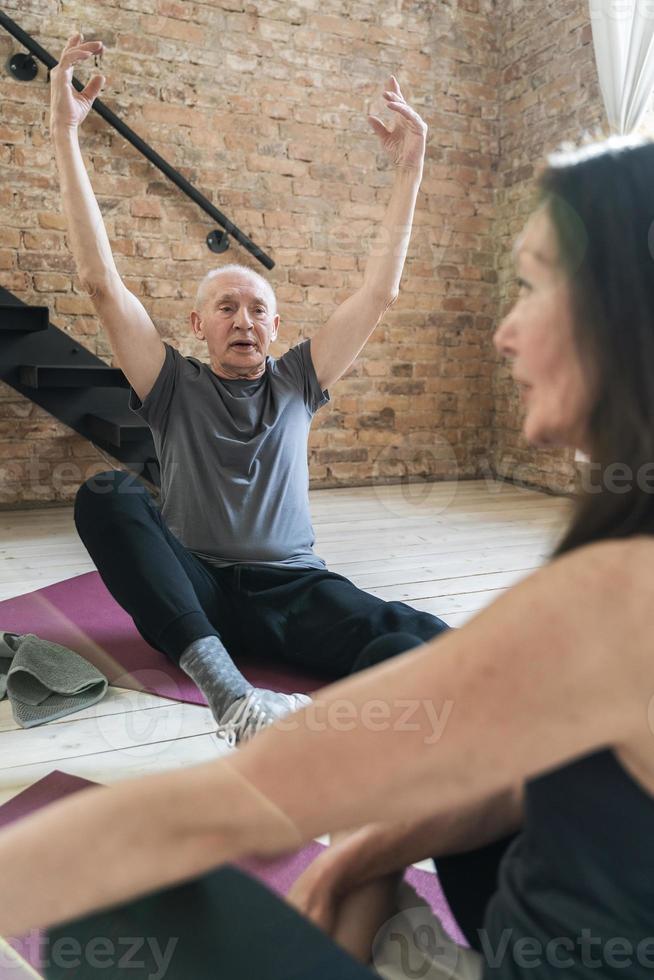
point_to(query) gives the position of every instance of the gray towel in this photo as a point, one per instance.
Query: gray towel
(5, 664)
(44, 680)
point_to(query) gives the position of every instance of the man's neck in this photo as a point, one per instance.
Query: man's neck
(236, 374)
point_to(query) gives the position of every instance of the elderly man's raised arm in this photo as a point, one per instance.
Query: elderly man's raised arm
(341, 339)
(133, 336)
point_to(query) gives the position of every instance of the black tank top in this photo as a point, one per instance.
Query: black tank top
(575, 894)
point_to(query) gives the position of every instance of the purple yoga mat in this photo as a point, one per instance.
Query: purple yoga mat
(279, 874)
(81, 614)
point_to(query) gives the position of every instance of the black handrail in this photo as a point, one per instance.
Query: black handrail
(35, 48)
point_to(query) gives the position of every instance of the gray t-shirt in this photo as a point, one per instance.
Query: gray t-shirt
(233, 457)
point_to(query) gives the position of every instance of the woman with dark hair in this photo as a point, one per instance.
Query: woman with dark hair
(529, 756)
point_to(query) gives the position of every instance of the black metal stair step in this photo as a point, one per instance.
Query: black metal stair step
(116, 429)
(23, 319)
(56, 372)
(71, 376)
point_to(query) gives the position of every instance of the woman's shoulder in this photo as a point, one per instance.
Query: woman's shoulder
(629, 561)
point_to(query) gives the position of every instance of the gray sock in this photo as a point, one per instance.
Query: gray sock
(207, 662)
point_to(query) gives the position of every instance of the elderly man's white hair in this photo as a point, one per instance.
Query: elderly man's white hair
(203, 289)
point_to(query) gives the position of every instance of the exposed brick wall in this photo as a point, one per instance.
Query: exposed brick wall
(262, 105)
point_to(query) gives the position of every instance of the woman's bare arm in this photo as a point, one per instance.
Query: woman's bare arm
(380, 849)
(556, 668)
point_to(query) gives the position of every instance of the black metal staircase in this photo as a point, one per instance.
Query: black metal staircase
(48, 366)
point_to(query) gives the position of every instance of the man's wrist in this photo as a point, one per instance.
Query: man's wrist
(60, 132)
(411, 171)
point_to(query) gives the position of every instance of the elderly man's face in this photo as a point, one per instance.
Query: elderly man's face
(238, 322)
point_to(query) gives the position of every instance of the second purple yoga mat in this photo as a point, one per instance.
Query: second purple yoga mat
(279, 875)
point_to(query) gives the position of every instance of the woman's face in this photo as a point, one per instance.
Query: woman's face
(538, 337)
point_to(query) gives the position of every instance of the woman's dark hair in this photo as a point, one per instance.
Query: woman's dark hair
(601, 202)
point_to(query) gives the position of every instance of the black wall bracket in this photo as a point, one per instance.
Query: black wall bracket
(23, 67)
(218, 241)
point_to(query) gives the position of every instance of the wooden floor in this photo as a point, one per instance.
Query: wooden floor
(446, 548)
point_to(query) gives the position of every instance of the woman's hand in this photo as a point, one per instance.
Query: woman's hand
(350, 912)
(405, 144)
(340, 869)
(68, 107)
(316, 893)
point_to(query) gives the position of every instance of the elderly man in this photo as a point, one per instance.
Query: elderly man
(226, 563)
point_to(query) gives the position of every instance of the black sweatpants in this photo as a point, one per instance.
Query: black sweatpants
(312, 618)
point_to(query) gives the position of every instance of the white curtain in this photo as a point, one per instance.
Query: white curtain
(623, 36)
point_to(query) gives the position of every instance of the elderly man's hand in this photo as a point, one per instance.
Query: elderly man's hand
(405, 143)
(68, 107)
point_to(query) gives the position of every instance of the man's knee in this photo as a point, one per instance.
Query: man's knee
(383, 648)
(398, 617)
(101, 492)
(395, 628)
